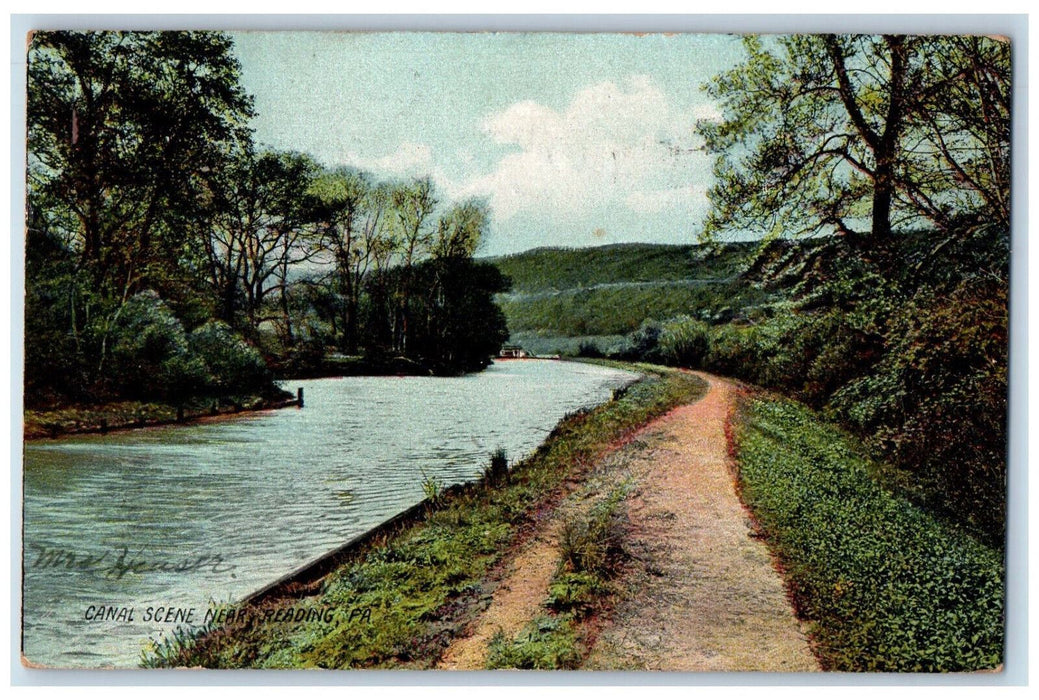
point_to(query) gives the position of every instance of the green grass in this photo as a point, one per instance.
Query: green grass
(591, 552)
(885, 585)
(125, 414)
(549, 642)
(620, 310)
(421, 585)
(611, 290)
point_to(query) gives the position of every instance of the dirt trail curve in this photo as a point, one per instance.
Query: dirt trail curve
(708, 597)
(703, 594)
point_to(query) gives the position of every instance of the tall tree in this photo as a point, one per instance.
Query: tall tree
(857, 133)
(352, 211)
(962, 158)
(413, 205)
(262, 227)
(126, 131)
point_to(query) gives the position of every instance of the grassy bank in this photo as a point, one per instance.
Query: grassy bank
(400, 601)
(591, 556)
(123, 415)
(885, 585)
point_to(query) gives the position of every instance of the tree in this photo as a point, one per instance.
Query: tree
(126, 131)
(413, 204)
(856, 134)
(965, 132)
(458, 235)
(460, 230)
(351, 209)
(262, 226)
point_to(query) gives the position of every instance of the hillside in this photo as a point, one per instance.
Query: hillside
(562, 298)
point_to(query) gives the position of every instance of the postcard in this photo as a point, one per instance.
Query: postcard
(516, 350)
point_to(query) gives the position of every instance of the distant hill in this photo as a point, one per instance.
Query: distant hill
(567, 268)
(563, 297)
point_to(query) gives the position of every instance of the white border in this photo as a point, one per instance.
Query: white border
(10, 349)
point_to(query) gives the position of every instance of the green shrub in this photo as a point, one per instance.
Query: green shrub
(547, 643)
(592, 545)
(936, 403)
(684, 341)
(150, 354)
(497, 472)
(231, 363)
(734, 351)
(886, 585)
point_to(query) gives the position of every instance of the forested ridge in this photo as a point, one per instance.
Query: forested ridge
(169, 256)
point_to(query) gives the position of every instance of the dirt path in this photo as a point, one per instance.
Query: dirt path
(702, 594)
(705, 596)
(517, 600)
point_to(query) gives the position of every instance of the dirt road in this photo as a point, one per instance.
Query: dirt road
(702, 593)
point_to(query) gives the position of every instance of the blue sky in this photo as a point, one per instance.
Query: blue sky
(573, 139)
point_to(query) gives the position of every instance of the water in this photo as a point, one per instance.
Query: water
(237, 504)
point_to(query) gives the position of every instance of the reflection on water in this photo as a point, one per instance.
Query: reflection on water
(263, 494)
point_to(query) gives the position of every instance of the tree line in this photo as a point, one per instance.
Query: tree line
(167, 254)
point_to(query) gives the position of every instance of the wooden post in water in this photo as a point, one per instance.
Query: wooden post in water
(299, 396)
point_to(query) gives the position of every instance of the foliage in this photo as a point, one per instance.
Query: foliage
(860, 133)
(126, 133)
(556, 269)
(592, 545)
(843, 330)
(143, 183)
(684, 341)
(622, 307)
(432, 488)
(150, 354)
(546, 643)
(900, 332)
(886, 586)
(937, 401)
(497, 472)
(231, 363)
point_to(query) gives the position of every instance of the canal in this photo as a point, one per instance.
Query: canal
(118, 526)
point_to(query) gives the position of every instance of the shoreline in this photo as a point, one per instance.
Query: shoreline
(464, 532)
(38, 426)
(125, 416)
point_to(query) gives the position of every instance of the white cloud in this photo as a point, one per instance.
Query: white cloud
(612, 146)
(409, 160)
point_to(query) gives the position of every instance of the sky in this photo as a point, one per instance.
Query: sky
(572, 139)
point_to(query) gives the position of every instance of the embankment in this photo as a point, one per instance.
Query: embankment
(398, 598)
(131, 415)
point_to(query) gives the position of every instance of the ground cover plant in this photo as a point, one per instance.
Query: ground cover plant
(591, 555)
(885, 585)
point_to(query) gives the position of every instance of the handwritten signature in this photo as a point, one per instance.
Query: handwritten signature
(118, 562)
